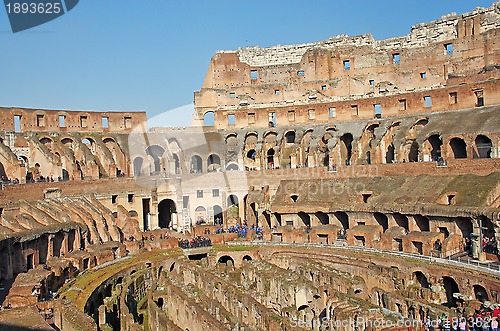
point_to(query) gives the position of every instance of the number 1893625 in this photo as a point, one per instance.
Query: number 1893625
(34, 8)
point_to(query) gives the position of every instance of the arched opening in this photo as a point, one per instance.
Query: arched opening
(138, 161)
(421, 279)
(209, 118)
(166, 211)
(290, 137)
(451, 287)
(57, 244)
(459, 148)
(270, 158)
(3, 175)
(413, 154)
(200, 215)
(436, 144)
(465, 226)
(159, 303)
(213, 163)
(422, 222)
(401, 220)
(346, 147)
(218, 215)
(389, 155)
(160, 270)
(156, 152)
(133, 214)
(43, 249)
(247, 258)
(177, 164)
(232, 167)
(252, 154)
(483, 147)
(196, 164)
(254, 217)
(305, 218)
(232, 200)
(343, 218)
(382, 220)
(225, 263)
(71, 240)
(322, 217)
(480, 293)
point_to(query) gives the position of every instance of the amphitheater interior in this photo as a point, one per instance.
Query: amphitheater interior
(347, 184)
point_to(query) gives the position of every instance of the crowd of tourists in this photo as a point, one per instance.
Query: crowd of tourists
(485, 319)
(195, 242)
(241, 230)
(490, 245)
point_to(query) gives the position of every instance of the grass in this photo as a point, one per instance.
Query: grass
(231, 248)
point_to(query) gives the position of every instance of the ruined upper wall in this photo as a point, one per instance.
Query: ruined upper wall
(454, 61)
(41, 120)
(450, 26)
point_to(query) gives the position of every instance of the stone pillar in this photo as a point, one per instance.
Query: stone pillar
(50, 246)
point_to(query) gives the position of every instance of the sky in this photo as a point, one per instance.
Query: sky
(151, 55)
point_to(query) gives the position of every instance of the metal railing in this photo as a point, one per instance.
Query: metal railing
(491, 268)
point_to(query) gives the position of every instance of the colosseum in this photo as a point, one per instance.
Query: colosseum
(348, 184)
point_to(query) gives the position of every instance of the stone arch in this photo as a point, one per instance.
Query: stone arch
(232, 140)
(343, 218)
(382, 220)
(232, 200)
(290, 137)
(434, 143)
(422, 222)
(420, 278)
(401, 220)
(390, 154)
(200, 215)
(305, 218)
(413, 154)
(233, 166)
(218, 215)
(166, 212)
(483, 146)
(213, 163)
(252, 154)
(346, 148)
(451, 287)
(322, 217)
(196, 165)
(209, 118)
(226, 263)
(156, 152)
(480, 293)
(270, 158)
(138, 161)
(465, 225)
(251, 139)
(3, 174)
(46, 141)
(117, 153)
(458, 148)
(247, 258)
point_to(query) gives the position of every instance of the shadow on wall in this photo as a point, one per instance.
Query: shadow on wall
(8, 327)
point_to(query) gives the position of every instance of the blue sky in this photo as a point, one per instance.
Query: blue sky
(151, 55)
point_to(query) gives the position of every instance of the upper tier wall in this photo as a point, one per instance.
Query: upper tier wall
(38, 120)
(452, 57)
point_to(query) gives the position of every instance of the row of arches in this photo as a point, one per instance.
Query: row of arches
(325, 148)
